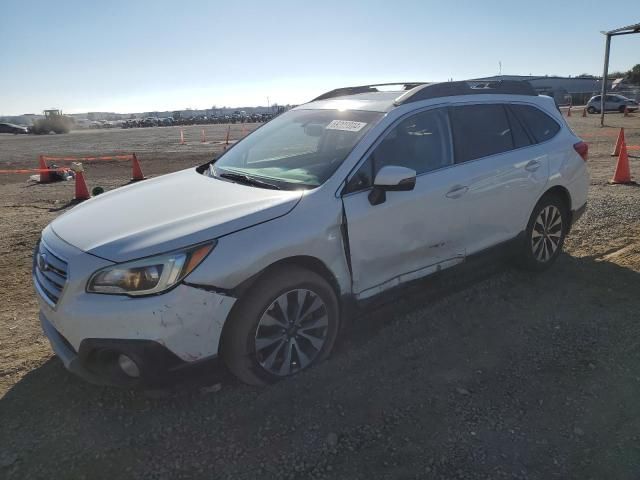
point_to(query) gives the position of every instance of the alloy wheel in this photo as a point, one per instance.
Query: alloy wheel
(291, 332)
(547, 233)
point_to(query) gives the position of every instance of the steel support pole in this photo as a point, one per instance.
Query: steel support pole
(605, 74)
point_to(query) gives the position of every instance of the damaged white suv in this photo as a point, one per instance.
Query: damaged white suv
(253, 257)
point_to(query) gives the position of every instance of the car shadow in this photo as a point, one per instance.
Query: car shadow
(48, 400)
(361, 325)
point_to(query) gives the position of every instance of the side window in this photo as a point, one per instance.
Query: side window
(480, 131)
(421, 142)
(541, 125)
(519, 134)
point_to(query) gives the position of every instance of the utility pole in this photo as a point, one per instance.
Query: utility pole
(628, 30)
(605, 74)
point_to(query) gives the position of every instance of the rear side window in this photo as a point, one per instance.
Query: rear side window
(518, 133)
(540, 125)
(480, 131)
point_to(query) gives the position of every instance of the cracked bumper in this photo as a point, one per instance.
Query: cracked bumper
(161, 333)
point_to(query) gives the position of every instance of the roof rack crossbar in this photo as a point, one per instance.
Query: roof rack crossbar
(467, 87)
(340, 92)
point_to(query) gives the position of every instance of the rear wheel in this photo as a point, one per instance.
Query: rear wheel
(283, 325)
(621, 109)
(545, 234)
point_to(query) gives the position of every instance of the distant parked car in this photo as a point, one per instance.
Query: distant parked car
(12, 128)
(612, 103)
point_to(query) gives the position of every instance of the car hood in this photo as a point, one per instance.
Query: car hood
(167, 213)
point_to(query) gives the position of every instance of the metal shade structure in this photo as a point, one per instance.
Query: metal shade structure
(612, 33)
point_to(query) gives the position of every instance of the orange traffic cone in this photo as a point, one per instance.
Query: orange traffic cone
(136, 171)
(619, 142)
(82, 192)
(569, 111)
(182, 142)
(45, 177)
(622, 174)
(203, 139)
(584, 112)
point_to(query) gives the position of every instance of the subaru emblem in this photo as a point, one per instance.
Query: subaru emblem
(42, 262)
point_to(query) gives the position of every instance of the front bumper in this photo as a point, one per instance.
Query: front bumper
(65, 352)
(96, 361)
(160, 332)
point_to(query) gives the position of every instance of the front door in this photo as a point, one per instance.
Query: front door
(411, 233)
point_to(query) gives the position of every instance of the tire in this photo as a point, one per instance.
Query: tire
(545, 234)
(258, 338)
(621, 109)
(591, 110)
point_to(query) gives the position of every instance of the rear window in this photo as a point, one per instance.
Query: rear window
(539, 124)
(480, 131)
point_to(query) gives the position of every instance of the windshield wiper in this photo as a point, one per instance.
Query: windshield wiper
(247, 180)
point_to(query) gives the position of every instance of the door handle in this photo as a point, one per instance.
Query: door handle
(532, 166)
(457, 191)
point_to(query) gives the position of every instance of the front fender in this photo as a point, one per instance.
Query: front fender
(311, 229)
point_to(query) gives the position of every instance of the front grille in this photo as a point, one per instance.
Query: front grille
(50, 272)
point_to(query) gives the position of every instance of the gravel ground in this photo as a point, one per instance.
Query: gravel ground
(482, 373)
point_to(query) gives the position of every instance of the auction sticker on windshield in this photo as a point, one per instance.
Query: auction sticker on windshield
(346, 125)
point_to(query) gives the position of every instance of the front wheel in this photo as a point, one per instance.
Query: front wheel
(545, 234)
(591, 110)
(283, 325)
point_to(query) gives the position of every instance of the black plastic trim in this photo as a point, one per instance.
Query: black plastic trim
(451, 89)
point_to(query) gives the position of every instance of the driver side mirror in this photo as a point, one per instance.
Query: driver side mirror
(391, 178)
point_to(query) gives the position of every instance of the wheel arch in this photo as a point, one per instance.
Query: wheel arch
(564, 194)
(307, 262)
(561, 192)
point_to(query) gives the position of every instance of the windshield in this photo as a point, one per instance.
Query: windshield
(298, 149)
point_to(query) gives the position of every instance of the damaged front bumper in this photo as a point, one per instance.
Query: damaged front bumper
(156, 335)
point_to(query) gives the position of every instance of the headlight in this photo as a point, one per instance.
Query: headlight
(148, 275)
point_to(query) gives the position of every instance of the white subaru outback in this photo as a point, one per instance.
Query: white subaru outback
(253, 257)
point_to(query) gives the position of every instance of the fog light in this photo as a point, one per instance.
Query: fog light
(128, 366)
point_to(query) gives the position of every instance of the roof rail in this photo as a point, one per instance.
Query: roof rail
(450, 89)
(341, 92)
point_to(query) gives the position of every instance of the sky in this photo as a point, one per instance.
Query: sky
(139, 56)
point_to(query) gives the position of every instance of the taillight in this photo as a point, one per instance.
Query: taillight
(582, 149)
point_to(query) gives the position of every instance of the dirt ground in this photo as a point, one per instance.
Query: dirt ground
(486, 373)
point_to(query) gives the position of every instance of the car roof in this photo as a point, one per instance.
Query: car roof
(370, 101)
(372, 98)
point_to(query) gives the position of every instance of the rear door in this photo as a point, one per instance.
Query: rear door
(501, 175)
(612, 102)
